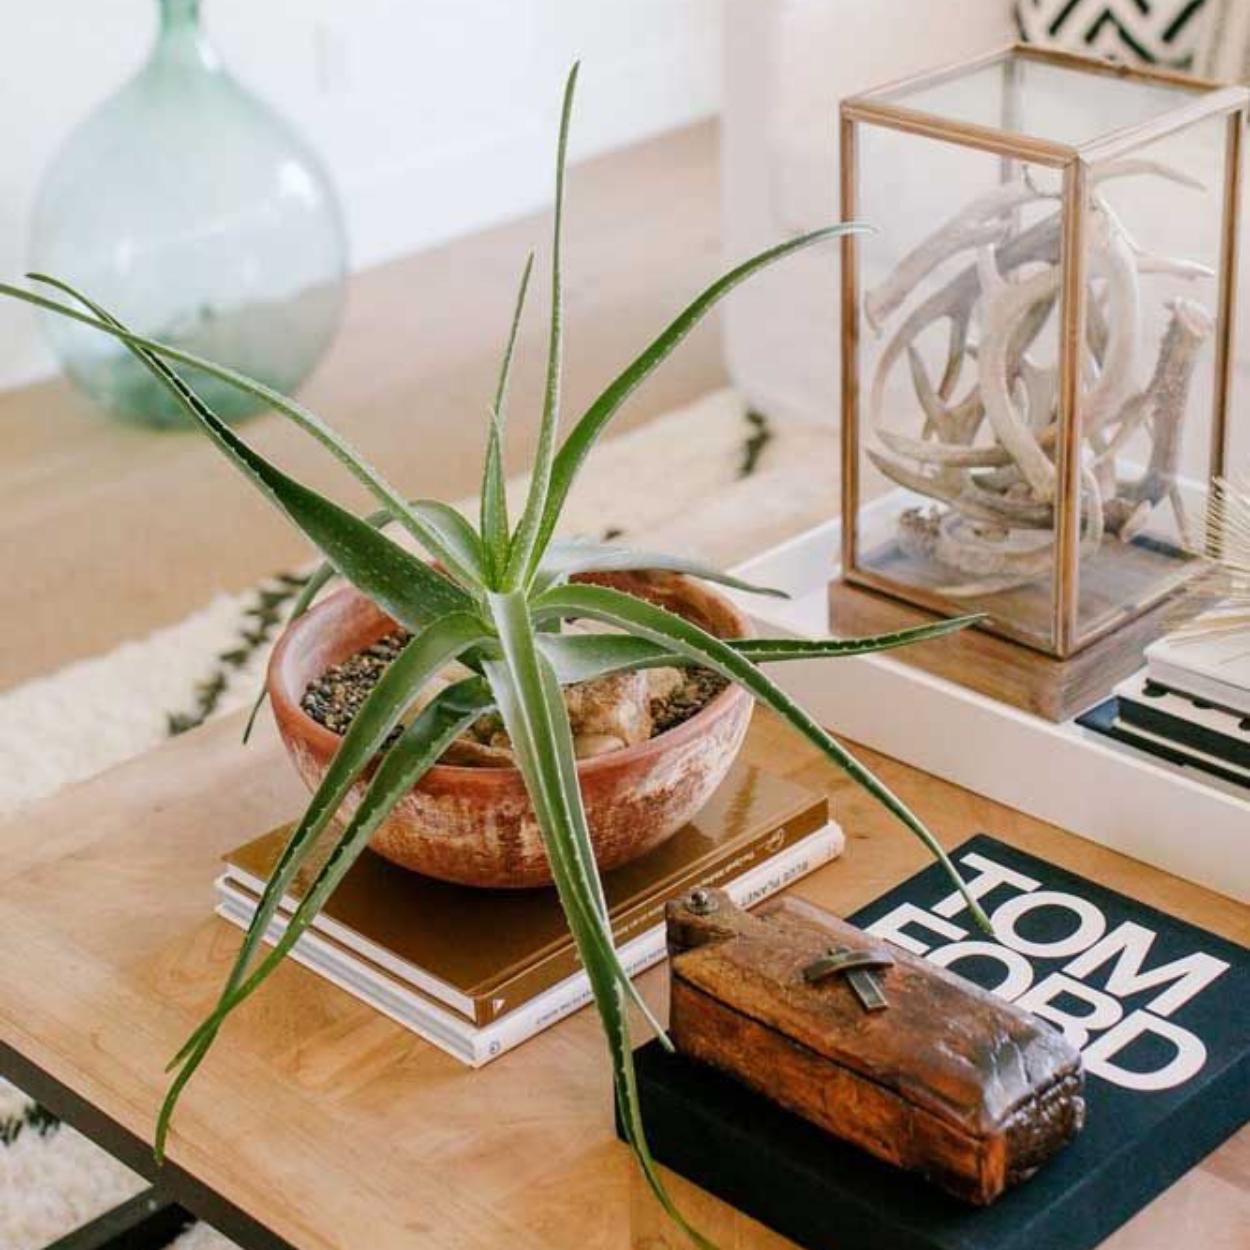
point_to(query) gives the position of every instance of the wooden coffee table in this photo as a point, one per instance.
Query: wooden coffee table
(319, 1124)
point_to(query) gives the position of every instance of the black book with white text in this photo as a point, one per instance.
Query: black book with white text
(1159, 1008)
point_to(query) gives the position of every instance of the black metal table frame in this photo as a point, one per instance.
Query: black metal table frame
(151, 1219)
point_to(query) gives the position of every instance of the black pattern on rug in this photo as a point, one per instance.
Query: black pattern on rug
(261, 620)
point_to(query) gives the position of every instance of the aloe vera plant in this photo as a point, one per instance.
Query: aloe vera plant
(494, 596)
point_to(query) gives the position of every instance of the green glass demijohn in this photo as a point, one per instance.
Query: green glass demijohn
(198, 216)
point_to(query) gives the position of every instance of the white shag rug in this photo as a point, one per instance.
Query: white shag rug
(744, 485)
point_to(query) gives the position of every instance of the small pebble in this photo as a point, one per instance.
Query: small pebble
(336, 696)
(699, 688)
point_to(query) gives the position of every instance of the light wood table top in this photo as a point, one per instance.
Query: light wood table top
(335, 1127)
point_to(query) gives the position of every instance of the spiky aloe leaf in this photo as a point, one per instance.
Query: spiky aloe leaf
(592, 422)
(582, 657)
(625, 1088)
(447, 637)
(544, 735)
(347, 455)
(320, 577)
(461, 548)
(528, 697)
(775, 650)
(664, 628)
(412, 755)
(397, 581)
(609, 1000)
(545, 757)
(494, 503)
(526, 538)
(428, 652)
(564, 558)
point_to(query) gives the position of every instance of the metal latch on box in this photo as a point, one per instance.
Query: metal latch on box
(857, 967)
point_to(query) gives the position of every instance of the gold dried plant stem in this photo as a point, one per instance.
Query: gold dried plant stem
(849, 181)
(1234, 126)
(1072, 337)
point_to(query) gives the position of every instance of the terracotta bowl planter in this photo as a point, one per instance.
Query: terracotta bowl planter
(475, 826)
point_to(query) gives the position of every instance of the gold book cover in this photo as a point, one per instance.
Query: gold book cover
(431, 933)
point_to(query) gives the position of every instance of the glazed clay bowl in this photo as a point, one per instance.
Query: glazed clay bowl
(475, 826)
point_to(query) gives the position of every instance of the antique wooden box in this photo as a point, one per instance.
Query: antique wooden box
(901, 1058)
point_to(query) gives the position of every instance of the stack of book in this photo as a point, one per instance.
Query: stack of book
(1190, 705)
(476, 972)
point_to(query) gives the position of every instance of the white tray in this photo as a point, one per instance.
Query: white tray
(1060, 773)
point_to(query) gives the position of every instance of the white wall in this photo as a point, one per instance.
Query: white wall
(436, 117)
(788, 63)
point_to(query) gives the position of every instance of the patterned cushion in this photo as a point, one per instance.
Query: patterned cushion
(1152, 32)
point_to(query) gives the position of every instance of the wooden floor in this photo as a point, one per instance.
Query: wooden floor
(107, 531)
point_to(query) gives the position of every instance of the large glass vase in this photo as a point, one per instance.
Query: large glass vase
(199, 217)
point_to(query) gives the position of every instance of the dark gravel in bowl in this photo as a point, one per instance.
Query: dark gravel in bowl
(336, 696)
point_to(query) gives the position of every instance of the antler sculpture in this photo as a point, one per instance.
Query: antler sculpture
(988, 458)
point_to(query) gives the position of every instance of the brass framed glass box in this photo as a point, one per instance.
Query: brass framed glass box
(1036, 341)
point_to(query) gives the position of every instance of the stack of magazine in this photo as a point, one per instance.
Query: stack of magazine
(477, 972)
(1190, 705)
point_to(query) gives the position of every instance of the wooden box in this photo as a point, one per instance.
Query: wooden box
(945, 1080)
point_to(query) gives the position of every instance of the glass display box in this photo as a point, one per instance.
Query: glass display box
(1036, 340)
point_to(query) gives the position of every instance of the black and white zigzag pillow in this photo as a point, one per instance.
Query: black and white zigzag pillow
(1153, 32)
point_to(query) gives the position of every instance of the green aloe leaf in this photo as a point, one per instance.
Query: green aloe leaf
(545, 749)
(582, 657)
(525, 699)
(494, 503)
(417, 749)
(774, 650)
(402, 680)
(339, 534)
(645, 620)
(461, 548)
(397, 581)
(347, 455)
(609, 1001)
(564, 558)
(325, 572)
(533, 707)
(625, 1085)
(317, 580)
(523, 545)
(592, 422)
